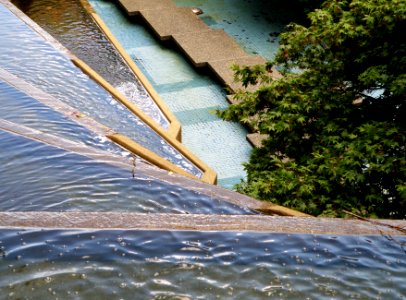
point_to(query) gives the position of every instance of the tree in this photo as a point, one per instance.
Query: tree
(336, 118)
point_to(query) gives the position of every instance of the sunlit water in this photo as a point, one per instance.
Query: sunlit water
(38, 177)
(52, 264)
(28, 56)
(22, 109)
(70, 24)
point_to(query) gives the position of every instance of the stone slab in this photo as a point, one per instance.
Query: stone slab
(223, 69)
(133, 7)
(173, 20)
(211, 45)
(256, 139)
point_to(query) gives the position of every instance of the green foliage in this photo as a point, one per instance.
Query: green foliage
(336, 119)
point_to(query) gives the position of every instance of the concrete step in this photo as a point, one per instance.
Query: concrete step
(173, 20)
(223, 69)
(208, 46)
(256, 139)
(134, 7)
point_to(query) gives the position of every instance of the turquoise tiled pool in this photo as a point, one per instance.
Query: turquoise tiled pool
(192, 97)
(254, 24)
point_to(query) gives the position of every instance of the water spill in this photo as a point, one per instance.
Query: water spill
(71, 25)
(37, 62)
(38, 177)
(103, 264)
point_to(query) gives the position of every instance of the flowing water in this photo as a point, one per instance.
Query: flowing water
(108, 264)
(38, 177)
(19, 108)
(136, 264)
(28, 56)
(71, 25)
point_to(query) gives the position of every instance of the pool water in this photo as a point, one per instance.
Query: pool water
(254, 24)
(129, 264)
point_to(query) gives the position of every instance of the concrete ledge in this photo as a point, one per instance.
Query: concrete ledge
(167, 22)
(187, 222)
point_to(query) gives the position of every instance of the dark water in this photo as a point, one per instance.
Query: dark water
(27, 55)
(106, 264)
(72, 26)
(39, 177)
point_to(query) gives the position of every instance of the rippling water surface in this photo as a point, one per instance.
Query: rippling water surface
(39, 177)
(70, 24)
(39, 264)
(27, 55)
(22, 109)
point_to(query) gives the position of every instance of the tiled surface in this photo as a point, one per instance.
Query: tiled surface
(191, 96)
(254, 24)
(219, 144)
(152, 58)
(195, 98)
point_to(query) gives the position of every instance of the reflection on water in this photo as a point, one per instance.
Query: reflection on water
(29, 57)
(70, 24)
(198, 265)
(56, 180)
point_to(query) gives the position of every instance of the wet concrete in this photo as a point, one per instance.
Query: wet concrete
(239, 223)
